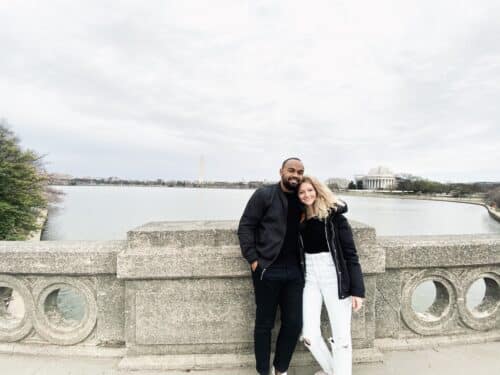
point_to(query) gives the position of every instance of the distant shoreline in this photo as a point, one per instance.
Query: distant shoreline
(470, 200)
(404, 195)
(255, 185)
(195, 186)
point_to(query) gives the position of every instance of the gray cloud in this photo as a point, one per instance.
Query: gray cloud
(143, 90)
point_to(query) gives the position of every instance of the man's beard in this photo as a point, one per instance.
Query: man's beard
(289, 186)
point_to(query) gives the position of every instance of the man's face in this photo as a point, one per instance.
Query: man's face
(291, 174)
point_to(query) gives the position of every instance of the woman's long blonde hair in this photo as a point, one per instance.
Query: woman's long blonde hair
(325, 201)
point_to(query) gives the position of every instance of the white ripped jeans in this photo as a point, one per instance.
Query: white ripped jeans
(321, 286)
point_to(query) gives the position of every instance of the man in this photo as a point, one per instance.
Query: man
(269, 235)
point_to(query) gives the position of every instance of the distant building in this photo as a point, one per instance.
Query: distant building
(379, 178)
(59, 178)
(341, 183)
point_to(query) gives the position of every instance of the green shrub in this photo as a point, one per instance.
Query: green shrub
(22, 183)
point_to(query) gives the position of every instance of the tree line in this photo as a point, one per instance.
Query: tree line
(489, 190)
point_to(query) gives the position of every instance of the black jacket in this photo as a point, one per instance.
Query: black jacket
(262, 226)
(343, 250)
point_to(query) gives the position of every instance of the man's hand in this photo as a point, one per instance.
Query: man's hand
(254, 265)
(357, 303)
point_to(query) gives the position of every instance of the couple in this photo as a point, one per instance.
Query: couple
(291, 232)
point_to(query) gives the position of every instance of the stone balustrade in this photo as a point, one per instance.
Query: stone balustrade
(178, 296)
(453, 264)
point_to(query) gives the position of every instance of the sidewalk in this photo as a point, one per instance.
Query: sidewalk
(477, 359)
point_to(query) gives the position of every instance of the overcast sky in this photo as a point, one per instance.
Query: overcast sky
(144, 89)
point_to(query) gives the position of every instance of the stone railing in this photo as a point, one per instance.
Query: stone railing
(33, 278)
(453, 264)
(178, 296)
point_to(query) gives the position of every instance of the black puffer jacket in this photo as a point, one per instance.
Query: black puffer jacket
(263, 224)
(345, 257)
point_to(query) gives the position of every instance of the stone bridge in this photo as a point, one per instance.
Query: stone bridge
(177, 296)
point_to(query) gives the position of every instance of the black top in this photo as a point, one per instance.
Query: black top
(313, 236)
(289, 253)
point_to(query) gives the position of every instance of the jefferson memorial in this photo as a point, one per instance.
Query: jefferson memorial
(377, 178)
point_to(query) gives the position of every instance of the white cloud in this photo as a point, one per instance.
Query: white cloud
(346, 85)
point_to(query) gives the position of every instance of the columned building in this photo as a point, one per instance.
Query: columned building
(379, 178)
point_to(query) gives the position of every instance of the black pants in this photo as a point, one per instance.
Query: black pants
(280, 286)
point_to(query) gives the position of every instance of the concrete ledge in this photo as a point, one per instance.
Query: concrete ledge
(441, 251)
(493, 213)
(479, 359)
(165, 250)
(185, 262)
(61, 351)
(389, 344)
(59, 257)
(226, 361)
(184, 234)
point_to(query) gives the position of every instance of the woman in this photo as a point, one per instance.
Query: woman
(333, 276)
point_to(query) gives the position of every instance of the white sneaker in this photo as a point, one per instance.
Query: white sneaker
(273, 372)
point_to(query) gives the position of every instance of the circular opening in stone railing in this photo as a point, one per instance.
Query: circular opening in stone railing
(65, 307)
(12, 308)
(483, 297)
(430, 299)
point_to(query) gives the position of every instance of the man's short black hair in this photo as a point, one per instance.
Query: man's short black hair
(286, 160)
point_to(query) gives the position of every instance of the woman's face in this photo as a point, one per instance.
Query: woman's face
(307, 194)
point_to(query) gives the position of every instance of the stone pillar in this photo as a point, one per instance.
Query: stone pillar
(189, 298)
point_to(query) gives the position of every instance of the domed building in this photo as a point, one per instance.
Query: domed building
(380, 178)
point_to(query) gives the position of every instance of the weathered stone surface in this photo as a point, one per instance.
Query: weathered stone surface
(191, 278)
(182, 291)
(184, 249)
(110, 311)
(448, 315)
(194, 311)
(55, 331)
(440, 251)
(388, 304)
(59, 257)
(371, 255)
(173, 262)
(478, 359)
(11, 331)
(227, 361)
(184, 234)
(422, 342)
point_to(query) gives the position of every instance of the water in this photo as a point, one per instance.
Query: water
(108, 212)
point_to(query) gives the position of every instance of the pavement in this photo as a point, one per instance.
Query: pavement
(476, 359)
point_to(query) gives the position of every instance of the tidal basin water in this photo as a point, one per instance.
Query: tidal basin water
(108, 212)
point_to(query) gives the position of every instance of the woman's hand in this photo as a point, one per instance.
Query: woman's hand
(357, 303)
